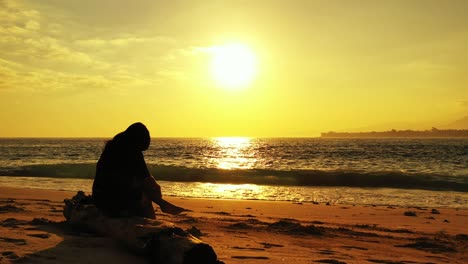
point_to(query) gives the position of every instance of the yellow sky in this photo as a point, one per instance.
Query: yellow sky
(90, 68)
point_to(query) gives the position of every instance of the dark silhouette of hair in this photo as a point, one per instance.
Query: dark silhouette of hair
(135, 137)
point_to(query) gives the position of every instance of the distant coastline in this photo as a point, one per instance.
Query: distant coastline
(433, 133)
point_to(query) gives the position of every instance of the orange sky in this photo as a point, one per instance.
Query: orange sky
(90, 68)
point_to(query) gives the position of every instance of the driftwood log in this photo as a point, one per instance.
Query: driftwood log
(161, 241)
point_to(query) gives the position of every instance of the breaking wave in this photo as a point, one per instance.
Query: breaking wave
(345, 178)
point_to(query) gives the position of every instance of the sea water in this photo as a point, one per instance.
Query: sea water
(408, 172)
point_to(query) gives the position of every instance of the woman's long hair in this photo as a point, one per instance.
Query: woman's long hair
(135, 137)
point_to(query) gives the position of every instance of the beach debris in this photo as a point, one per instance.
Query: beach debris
(160, 241)
(435, 211)
(410, 213)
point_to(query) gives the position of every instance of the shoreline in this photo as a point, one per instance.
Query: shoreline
(245, 231)
(256, 192)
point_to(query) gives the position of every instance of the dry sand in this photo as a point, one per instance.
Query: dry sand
(32, 231)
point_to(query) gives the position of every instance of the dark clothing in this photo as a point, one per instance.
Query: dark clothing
(118, 184)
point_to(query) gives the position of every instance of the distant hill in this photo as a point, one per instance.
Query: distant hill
(433, 133)
(459, 124)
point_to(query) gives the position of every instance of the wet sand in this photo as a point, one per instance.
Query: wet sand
(32, 230)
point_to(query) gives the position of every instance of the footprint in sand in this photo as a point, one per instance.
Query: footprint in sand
(239, 225)
(250, 257)
(326, 252)
(270, 245)
(10, 209)
(40, 221)
(55, 210)
(410, 213)
(355, 247)
(188, 220)
(43, 235)
(248, 248)
(220, 213)
(19, 242)
(12, 222)
(430, 246)
(331, 261)
(385, 261)
(9, 255)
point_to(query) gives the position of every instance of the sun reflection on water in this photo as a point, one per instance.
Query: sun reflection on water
(233, 153)
(233, 191)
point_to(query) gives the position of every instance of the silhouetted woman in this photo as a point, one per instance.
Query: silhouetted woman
(123, 186)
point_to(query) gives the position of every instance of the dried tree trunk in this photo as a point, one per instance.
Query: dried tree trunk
(161, 241)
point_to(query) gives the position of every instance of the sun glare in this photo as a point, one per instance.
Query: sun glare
(234, 65)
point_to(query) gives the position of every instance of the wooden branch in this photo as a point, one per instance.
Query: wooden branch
(161, 241)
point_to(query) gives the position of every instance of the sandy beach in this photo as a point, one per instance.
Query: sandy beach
(32, 230)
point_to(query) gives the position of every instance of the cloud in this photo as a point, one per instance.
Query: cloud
(7, 78)
(121, 42)
(15, 19)
(92, 43)
(32, 25)
(22, 39)
(14, 77)
(40, 52)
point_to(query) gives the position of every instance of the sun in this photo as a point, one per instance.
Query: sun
(234, 65)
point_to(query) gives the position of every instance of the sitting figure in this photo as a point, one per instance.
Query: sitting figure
(123, 186)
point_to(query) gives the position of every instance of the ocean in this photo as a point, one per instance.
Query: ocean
(402, 172)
